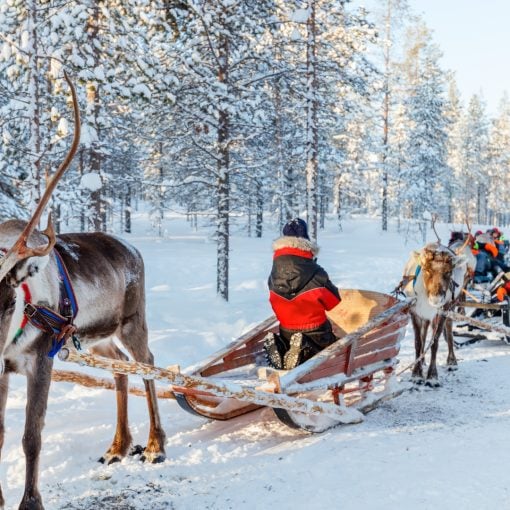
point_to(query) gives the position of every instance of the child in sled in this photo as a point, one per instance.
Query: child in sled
(300, 294)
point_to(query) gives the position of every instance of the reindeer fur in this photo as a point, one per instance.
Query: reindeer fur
(437, 285)
(108, 279)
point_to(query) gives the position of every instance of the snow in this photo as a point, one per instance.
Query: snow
(142, 89)
(430, 448)
(91, 181)
(299, 15)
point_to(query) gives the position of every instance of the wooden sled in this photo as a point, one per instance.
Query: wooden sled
(338, 385)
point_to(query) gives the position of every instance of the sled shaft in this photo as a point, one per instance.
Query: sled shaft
(216, 388)
(480, 324)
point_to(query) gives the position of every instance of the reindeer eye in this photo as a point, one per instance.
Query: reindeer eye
(11, 304)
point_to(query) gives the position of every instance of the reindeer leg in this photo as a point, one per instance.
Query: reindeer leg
(122, 439)
(424, 330)
(38, 386)
(417, 376)
(4, 387)
(432, 379)
(451, 361)
(136, 329)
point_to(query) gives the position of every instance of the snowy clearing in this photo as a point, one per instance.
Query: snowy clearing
(442, 449)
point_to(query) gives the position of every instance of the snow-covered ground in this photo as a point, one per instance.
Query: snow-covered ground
(430, 448)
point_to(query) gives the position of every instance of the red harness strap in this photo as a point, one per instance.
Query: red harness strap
(27, 299)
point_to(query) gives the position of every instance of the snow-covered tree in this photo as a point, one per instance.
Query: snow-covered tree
(427, 171)
(498, 165)
(474, 180)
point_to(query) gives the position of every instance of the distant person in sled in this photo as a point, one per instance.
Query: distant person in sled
(502, 246)
(486, 252)
(300, 293)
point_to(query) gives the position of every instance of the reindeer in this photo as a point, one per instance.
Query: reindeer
(434, 276)
(108, 279)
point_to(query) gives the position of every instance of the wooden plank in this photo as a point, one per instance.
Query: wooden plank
(216, 387)
(480, 324)
(230, 365)
(89, 381)
(244, 351)
(388, 341)
(374, 357)
(269, 324)
(384, 330)
(485, 306)
(334, 365)
(339, 379)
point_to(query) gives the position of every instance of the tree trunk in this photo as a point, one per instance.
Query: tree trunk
(93, 112)
(312, 132)
(249, 214)
(223, 181)
(127, 211)
(161, 198)
(323, 202)
(259, 209)
(57, 215)
(285, 177)
(34, 113)
(386, 120)
(82, 206)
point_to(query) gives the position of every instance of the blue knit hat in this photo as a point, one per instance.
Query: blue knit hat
(296, 228)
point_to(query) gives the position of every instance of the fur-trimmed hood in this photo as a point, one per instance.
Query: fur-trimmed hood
(295, 242)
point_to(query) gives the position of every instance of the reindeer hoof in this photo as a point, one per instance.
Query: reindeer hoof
(109, 459)
(153, 457)
(432, 383)
(416, 379)
(452, 368)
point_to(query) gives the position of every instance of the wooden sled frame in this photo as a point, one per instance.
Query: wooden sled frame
(338, 385)
(480, 323)
(370, 326)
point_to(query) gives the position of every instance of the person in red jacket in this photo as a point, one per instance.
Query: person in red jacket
(300, 293)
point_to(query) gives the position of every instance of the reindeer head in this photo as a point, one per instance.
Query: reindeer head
(438, 264)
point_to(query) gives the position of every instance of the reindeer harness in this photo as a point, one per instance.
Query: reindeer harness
(57, 324)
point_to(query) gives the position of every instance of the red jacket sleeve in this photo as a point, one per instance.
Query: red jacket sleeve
(329, 299)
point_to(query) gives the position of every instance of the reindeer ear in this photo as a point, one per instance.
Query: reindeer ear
(26, 269)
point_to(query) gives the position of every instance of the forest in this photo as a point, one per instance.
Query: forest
(242, 112)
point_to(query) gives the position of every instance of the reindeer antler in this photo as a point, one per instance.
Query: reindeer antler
(468, 238)
(434, 219)
(20, 250)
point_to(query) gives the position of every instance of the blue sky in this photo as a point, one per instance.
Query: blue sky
(475, 39)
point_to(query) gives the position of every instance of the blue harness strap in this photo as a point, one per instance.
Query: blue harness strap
(416, 273)
(56, 324)
(68, 303)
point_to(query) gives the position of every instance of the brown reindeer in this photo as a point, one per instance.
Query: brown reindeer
(108, 279)
(435, 278)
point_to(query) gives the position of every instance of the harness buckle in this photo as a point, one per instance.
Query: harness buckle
(30, 310)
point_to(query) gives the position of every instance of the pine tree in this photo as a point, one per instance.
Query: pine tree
(474, 181)
(498, 165)
(427, 170)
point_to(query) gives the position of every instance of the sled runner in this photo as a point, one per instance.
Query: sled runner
(342, 382)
